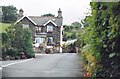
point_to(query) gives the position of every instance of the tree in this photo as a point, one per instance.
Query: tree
(1, 13)
(27, 46)
(49, 14)
(71, 31)
(9, 14)
(16, 40)
(76, 25)
(66, 27)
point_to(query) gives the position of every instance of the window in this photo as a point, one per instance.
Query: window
(25, 25)
(49, 28)
(39, 40)
(50, 39)
(38, 29)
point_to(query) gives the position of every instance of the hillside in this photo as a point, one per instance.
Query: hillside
(3, 26)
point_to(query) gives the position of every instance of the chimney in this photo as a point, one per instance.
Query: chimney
(59, 13)
(20, 13)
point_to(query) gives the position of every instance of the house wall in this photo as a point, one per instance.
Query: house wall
(31, 26)
(55, 34)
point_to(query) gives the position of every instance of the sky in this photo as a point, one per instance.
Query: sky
(72, 10)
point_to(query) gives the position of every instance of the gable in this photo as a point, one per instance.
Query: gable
(24, 18)
(50, 21)
(42, 21)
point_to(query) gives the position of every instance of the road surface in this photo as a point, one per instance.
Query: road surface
(45, 65)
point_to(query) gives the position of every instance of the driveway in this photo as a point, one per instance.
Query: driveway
(45, 65)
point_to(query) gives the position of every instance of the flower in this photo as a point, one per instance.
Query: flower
(88, 74)
(88, 68)
(92, 64)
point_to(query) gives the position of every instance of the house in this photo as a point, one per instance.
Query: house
(45, 29)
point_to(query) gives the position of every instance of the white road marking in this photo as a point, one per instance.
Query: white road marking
(16, 62)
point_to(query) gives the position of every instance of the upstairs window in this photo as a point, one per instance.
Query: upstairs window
(49, 28)
(38, 29)
(25, 25)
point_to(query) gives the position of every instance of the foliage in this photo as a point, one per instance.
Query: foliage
(17, 39)
(3, 26)
(102, 33)
(9, 14)
(70, 31)
(69, 48)
(91, 60)
(49, 14)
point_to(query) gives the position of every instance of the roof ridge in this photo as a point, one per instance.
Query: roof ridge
(42, 17)
(35, 16)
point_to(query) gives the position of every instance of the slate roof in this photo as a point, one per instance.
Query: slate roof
(41, 20)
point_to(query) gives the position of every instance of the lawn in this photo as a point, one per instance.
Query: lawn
(3, 26)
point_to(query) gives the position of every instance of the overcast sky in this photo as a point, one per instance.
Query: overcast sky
(72, 10)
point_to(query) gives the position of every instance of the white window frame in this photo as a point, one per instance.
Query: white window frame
(39, 40)
(25, 25)
(38, 29)
(49, 28)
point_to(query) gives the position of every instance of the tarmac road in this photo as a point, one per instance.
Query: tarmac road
(45, 65)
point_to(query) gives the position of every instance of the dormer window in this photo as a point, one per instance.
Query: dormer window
(25, 25)
(49, 28)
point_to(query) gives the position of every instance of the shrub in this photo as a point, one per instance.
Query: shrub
(90, 60)
(102, 34)
(16, 40)
(12, 52)
(27, 46)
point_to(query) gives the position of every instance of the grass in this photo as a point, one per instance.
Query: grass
(3, 26)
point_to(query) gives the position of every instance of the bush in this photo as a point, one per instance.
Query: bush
(16, 40)
(91, 60)
(30, 55)
(12, 52)
(27, 46)
(102, 34)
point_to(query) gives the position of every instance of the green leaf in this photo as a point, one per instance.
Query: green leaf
(111, 55)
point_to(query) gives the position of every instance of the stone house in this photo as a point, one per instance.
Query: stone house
(46, 29)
